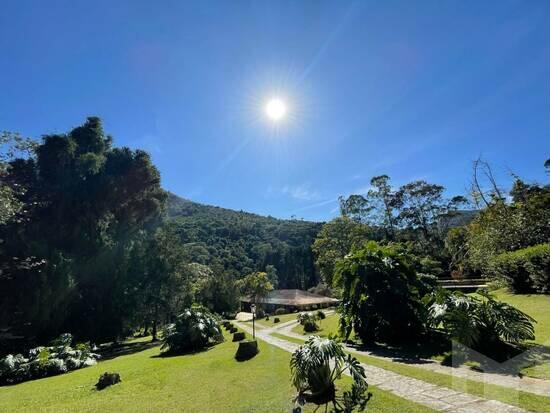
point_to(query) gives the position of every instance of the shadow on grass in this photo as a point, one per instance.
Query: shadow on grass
(168, 353)
(123, 349)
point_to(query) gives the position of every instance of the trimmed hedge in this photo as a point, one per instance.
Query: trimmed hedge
(247, 349)
(238, 336)
(524, 271)
(276, 320)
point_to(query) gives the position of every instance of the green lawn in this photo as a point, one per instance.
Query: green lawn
(327, 326)
(210, 381)
(528, 401)
(538, 307)
(283, 317)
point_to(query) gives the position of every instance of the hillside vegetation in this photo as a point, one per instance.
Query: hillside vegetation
(240, 242)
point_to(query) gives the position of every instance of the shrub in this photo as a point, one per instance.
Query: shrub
(276, 320)
(238, 336)
(321, 315)
(309, 321)
(382, 295)
(107, 379)
(480, 322)
(194, 329)
(525, 270)
(246, 350)
(317, 365)
(281, 311)
(42, 361)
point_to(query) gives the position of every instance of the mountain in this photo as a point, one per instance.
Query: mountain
(240, 242)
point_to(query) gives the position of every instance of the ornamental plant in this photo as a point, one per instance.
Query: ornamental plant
(315, 368)
(195, 329)
(58, 358)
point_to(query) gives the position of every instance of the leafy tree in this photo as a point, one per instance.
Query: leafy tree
(271, 272)
(317, 365)
(421, 207)
(166, 281)
(381, 297)
(334, 241)
(256, 285)
(89, 203)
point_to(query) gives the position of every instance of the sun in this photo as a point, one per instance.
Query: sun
(275, 109)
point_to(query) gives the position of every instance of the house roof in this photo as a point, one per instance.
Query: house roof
(293, 297)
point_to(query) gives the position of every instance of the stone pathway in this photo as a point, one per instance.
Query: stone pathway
(430, 395)
(526, 384)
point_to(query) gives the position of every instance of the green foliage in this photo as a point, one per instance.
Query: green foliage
(321, 315)
(381, 299)
(480, 322)
(255, 285)
(40, 362)
(525, 270)
(503, 227)
(239, 243)
(334, 241)
(88, 205)
(308, 321)
(317, 365)
(195, 329)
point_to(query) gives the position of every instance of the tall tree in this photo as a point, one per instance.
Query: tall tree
(335, 240)
(90, 200)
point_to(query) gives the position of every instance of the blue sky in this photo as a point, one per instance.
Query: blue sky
(415, 90)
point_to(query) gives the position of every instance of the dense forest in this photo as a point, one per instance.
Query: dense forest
(240, 243)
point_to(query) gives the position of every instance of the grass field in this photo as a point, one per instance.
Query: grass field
(211, 381)
(538, 307)
(327, 326)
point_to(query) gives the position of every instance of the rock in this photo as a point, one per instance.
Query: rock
(246, 350)
(107, 379)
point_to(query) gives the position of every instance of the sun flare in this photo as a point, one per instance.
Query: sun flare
(275, 109)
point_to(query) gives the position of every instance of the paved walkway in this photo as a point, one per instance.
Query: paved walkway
(526, 384)
(430, 395)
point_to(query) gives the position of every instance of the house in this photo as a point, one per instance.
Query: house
(292, 300)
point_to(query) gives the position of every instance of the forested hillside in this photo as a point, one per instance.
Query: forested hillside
(239, 243)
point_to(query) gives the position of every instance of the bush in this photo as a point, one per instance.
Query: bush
(309, 321)
(480, 322)
(58, 358)
(107, 379)
(276, 320)
(194, 329)
(321, 315)
(246, 350)
(310, 326)
(394, 312)
(524, 271)
(281, 311)
(238, 336)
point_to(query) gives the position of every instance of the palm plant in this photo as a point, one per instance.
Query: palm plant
(480, 321)
(194, 329)
(317, 365)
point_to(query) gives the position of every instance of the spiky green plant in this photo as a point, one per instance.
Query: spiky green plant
(480, 321)
(315, 368)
